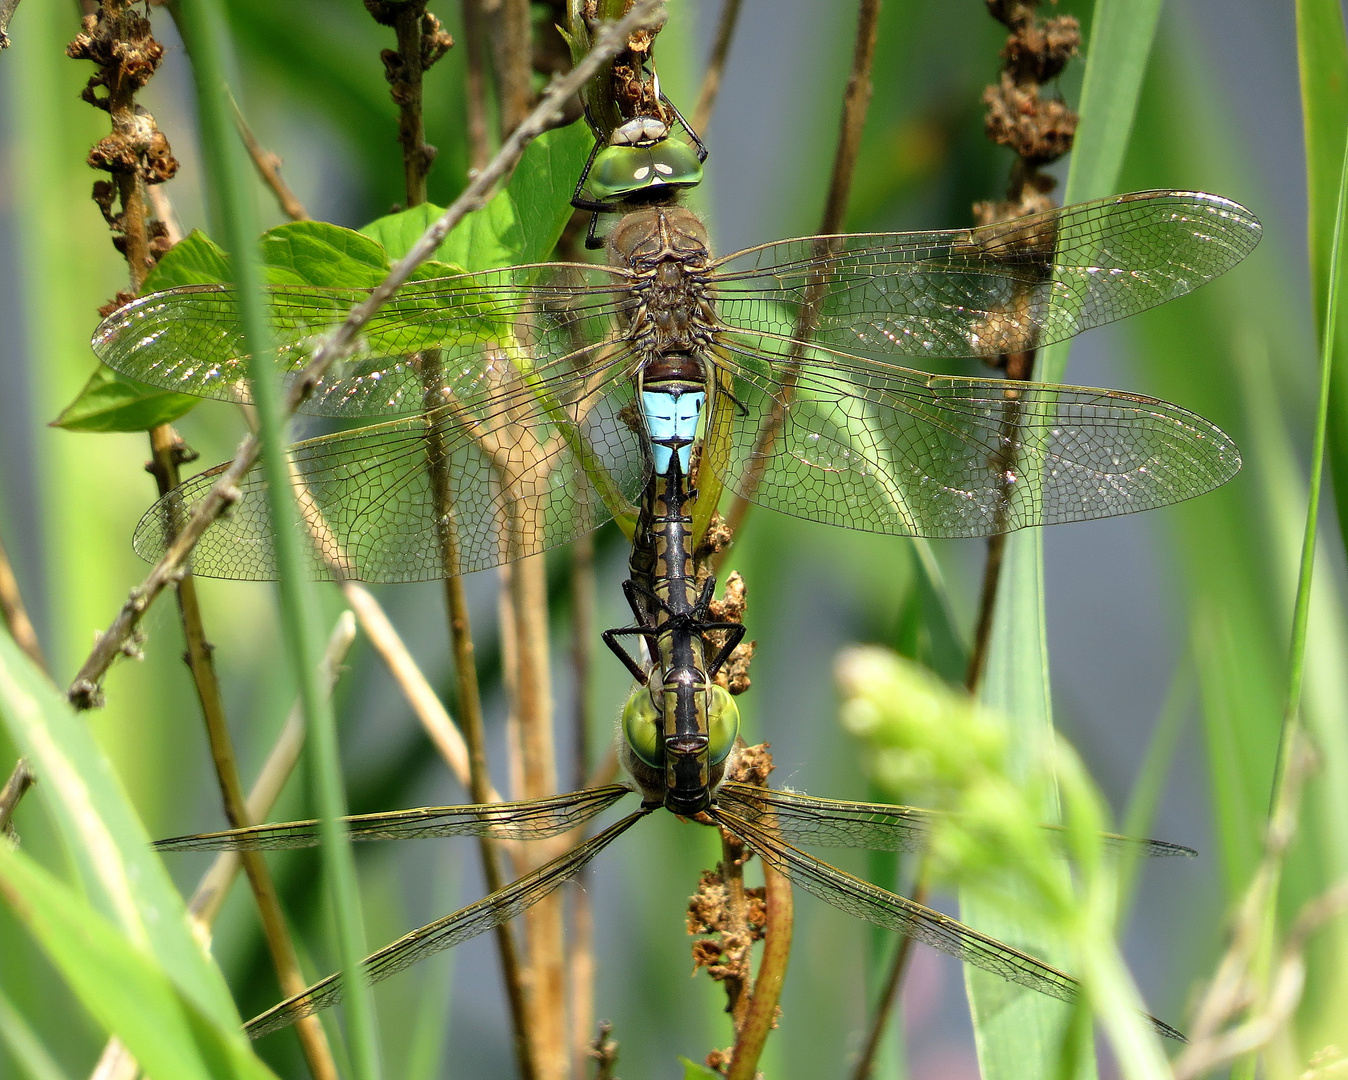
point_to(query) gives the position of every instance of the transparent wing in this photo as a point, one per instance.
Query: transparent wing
(436, 332)
(804, 819)
(535, 819)
(871, 446)
(995, 289)
(544, 458)
(883, 908)
(468, 922)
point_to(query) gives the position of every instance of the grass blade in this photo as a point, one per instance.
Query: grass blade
(121, 985)
(1019, 1033)
(205, 34)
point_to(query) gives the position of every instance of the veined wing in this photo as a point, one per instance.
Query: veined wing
(462, 487)
(189, 339)
(880, 448)
(883, 908)
(535, 819)
(998, 288)
(804, 819)
(445, 933)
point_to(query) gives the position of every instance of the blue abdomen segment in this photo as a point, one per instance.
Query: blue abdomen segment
(671, 420)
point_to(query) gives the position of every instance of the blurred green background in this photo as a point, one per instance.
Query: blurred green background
(1188, 606)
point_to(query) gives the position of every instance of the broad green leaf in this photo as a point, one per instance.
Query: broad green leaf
(318, 253)
(194, 260)
(112, 402)
(523, 222)
(396, 233)
(122, 876)
(121, 985)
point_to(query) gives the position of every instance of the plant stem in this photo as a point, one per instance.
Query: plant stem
(268, 167)
(581, 954)
(761, 1014)
(417, 156)
(166, 448)
(889, 993)
(479, 151)
(21, 630)
(514, 63)
(720, 50)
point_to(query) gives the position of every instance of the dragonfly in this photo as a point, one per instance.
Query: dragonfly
(523, 383)
(679, 741)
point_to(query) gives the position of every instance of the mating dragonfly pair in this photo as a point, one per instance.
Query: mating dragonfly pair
(536, 402)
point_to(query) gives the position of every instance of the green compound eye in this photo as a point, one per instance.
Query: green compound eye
(641, 728)
(620, 171)
(723, 722)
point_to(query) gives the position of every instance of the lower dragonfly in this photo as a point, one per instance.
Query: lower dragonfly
(523, 380)
(679, 737)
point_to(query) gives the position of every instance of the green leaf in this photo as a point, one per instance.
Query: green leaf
(318, 253)
(122, 876)
(693, 1071)
(121, 985)
(112, 402)
(398, 232)
(523, 222)
(194, 260)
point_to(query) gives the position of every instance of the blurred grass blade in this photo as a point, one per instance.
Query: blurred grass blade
(1322, 55)
(122, 877)
(35, 1063)
(121, 985)
(230, 184)
(1019, 1033)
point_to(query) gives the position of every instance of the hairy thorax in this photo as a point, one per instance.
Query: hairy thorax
(666, 249)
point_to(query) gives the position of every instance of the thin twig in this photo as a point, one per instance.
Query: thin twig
(21, 630)
(580, 961)
(889, 993)
(420, 695)
(720, 50)
(167, 449)
(514, 62)
(268, 167)
(479, 151)
(84, 691)
(209, 896)
(15, 613)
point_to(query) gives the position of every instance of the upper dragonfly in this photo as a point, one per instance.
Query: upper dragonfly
(524, 379)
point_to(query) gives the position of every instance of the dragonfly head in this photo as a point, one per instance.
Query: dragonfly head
(679, 769)
(643, 160)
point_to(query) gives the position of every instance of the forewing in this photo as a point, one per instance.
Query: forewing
(898, 913)
(463, 487)
(995, 289)
(445, 933)
(535, 819)
(871, 446)
(805, 819)
(435, 333)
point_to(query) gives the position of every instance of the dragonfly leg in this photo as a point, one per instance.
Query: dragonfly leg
(734, 634)
(698, 144)
(611, 640)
